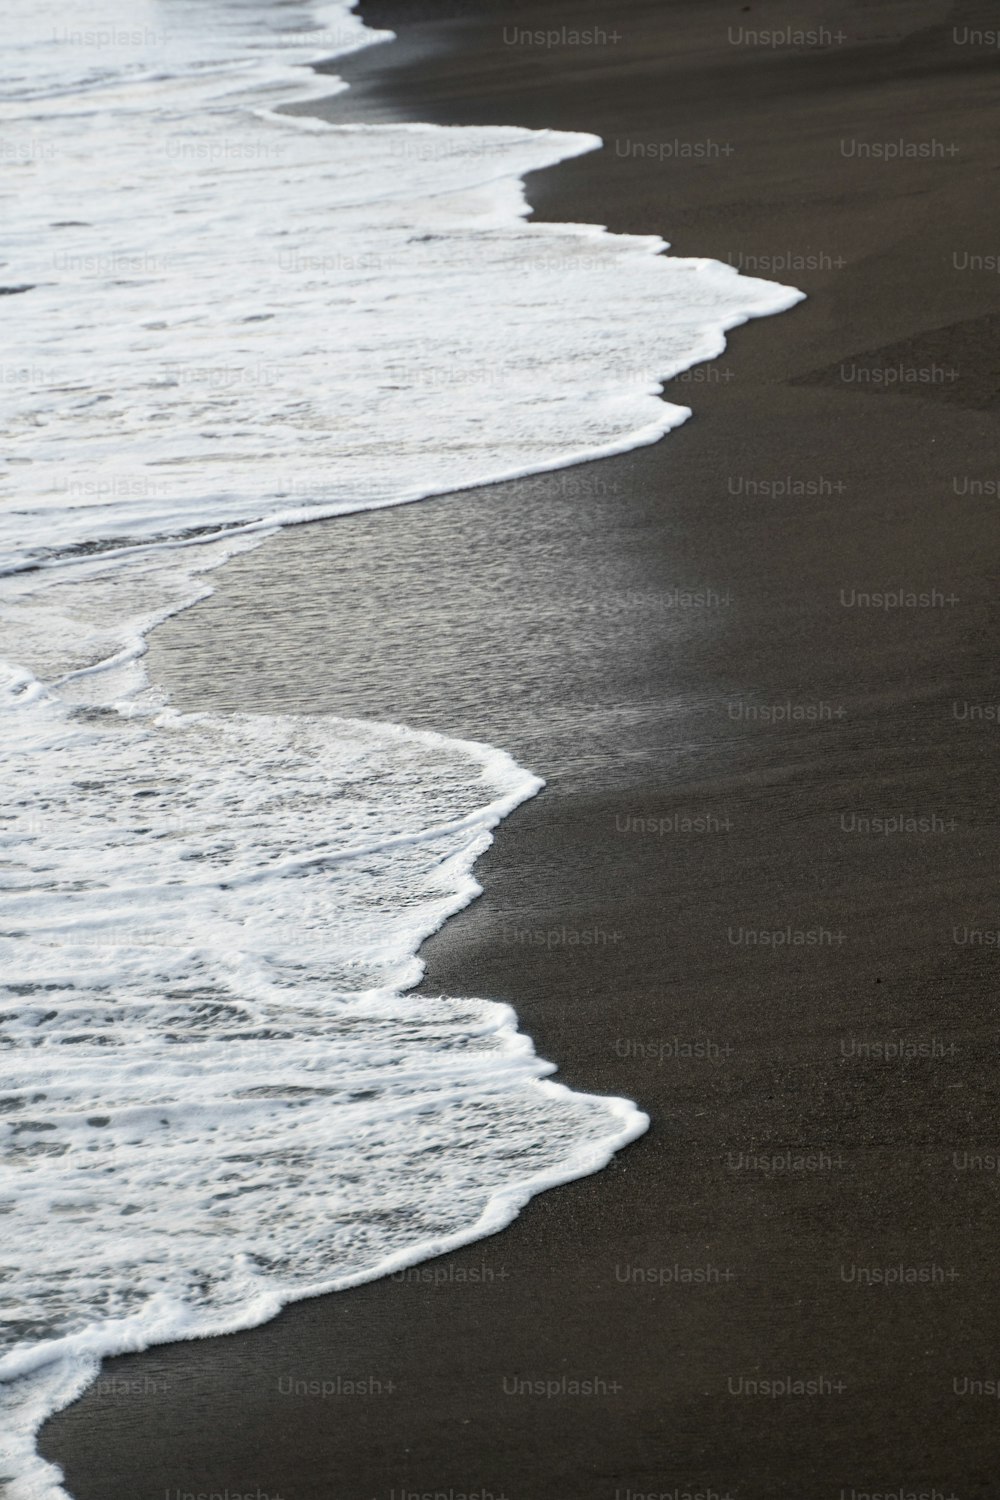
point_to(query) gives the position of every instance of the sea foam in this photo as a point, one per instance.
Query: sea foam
(218, 1094)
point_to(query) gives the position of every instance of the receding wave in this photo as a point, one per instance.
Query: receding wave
(218, 1094)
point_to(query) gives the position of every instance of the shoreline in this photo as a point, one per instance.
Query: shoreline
(565, 641)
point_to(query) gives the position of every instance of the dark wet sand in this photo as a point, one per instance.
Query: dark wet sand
(545, 617)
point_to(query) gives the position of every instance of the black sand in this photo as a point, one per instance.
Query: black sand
(783, 1168)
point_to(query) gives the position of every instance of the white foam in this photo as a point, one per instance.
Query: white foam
(240, 319)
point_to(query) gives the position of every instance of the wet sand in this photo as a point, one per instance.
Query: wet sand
(683, 642)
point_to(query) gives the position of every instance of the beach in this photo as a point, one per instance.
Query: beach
(753, 664)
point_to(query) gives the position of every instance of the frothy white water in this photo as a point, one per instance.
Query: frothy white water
(217, 1094)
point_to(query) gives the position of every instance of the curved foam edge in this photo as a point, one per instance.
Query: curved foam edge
(72, 1364)
(64, 1368)
(164, 1322)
